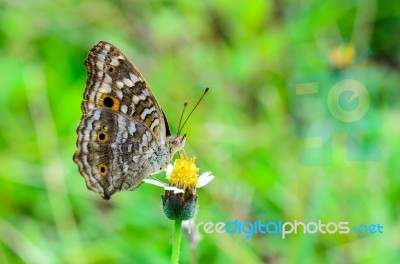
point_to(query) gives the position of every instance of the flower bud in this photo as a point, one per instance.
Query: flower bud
(179, 206)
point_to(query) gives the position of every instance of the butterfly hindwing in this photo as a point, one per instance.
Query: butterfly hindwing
(114, 152)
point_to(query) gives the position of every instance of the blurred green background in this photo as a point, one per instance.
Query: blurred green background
(246, 51)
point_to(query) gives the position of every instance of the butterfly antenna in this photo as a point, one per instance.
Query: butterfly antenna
(180, 120)
(198, 102)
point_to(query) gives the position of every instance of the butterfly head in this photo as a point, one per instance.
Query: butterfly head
(175, 144)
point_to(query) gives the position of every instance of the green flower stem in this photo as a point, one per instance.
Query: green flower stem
(177, 242)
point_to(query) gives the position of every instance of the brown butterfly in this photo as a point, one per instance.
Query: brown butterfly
(123, 136)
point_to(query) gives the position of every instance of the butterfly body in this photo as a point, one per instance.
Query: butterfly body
(123, 136)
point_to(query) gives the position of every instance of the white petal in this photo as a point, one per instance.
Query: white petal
(155, 182)
(205, 174)
(176, 190)
(169, 170)
(204, 179)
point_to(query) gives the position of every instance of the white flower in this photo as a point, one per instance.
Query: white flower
(186, 166)
(180, 199)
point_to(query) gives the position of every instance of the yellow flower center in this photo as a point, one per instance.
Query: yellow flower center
(343, 55)
(184, 173)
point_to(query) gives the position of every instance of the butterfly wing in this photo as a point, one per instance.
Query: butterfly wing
(115, 83)
(122, 136)
(114, 152)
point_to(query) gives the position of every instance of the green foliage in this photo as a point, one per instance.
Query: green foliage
(245, 51)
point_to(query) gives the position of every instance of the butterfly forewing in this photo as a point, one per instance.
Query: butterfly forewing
(114, 82)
